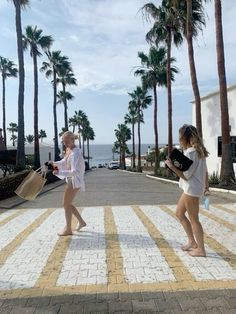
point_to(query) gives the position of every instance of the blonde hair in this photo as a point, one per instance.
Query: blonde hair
(189, 134)
(69, 134)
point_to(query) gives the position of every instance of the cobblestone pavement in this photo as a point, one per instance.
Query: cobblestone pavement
(128, 257)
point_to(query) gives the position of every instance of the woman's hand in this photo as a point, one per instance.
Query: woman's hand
(55, 172)
(168, 162)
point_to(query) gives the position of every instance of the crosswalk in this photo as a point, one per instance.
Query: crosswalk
(122, 248)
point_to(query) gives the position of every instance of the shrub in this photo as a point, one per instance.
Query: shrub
(214, 178)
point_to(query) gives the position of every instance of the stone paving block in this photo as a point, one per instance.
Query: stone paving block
(47, 310)
(6, 309)
(148, 306)
(72, 309)
(85, 298)
(147, 295)
(131, 296)
(68, 299)
(120, 306)
(194, 303)
(94, 307)
(216, 302)
(23, 310)
(232, 302)
(170, 304)
(115, 296)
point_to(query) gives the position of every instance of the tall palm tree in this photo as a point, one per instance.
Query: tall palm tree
(29, 138)
(89, 135)
(66, 77)
(153, 74)
(227, 170)
(42, 134)
(20, 157)
(131, 118)
(73, 122)
(123, 134)
(85, 124)
(140, 100)
(62, 98)
(192, 20)
(81, 118)
(7, 69)
(34, 41)
(13, 128)
(166, 29)
(51, 69)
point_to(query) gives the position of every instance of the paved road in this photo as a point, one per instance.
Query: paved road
(127, 259)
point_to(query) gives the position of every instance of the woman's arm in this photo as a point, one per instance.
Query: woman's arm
(178, 172)
(74, 159)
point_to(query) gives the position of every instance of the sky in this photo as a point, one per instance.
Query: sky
(102, 39)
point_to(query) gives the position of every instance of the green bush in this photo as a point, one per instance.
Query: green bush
(214, 178)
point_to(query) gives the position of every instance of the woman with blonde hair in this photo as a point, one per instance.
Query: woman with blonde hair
(72, 168)
(193, 184)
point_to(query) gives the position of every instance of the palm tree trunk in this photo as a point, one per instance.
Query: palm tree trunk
(120, 154)
(227, 170)
(83, 147)
(168, 80)
(193, 73)
(79, 129)
(88, 153)
(65, 107)
(133, 138)
(36, 128)
(20, 158)
(123, 157)
(139, 142)
(155, 128)
(4, 111)
(56, 147)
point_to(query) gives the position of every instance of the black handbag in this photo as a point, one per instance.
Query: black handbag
(179, 160)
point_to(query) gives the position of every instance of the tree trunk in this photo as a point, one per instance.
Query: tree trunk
(193, 73)
(88, 153)
(133, 157)
(36, 128)
(79, 130)
(65, 106)
(168, 81)
(227, 170)
(20, 158)
(83, 147)
(155, 128)
(4, 111)
(56, 147)
(139, 142)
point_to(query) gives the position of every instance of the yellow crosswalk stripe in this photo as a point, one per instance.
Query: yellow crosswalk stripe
(224, 208)
(219, 220)
(7, 250)
(14, 215)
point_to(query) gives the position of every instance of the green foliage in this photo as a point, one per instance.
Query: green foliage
(214, 178)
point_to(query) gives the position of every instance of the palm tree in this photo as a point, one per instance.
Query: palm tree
(13, 128)
(66, 77)
(166, 29)
(7, 69)
(131, 118)
(51, 68)
(42, 134)
(85, 124)
(192, 20)
(123, 134)
(29, 138)
(20, 157)
(34, 41)
(140, 101)
(153, 74)
(62, 98)
(89, 136)
(73, 123)
(80, 118)
(227, 170)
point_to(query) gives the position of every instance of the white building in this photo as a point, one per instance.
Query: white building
(211, 126)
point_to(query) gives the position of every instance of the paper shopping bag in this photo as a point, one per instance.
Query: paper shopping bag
(32, 185)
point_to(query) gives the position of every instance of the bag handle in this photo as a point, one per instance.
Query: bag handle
(41, 171)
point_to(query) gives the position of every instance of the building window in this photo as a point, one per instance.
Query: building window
(233, 147)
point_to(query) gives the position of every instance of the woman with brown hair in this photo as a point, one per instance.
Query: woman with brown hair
(193, 183)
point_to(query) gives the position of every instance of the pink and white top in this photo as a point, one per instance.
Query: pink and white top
(73, 167)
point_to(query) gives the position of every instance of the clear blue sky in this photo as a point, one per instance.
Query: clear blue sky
(102, 38)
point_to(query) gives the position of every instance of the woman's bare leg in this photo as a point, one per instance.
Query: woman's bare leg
(192, 205)
(180, 213)
(81, 223)
(68, 197)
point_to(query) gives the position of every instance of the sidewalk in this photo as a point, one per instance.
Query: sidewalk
(128, 258)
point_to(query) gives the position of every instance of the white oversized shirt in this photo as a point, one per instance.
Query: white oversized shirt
(195, 175)
(73, 167)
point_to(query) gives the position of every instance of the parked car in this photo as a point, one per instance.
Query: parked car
(114, 165)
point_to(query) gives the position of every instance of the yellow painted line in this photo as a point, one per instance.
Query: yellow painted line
(180, 272)
(9, 218)
(227, 255)
(8, 250)
(52, 269)
(219, 220)
(115, 274)
(225, 209)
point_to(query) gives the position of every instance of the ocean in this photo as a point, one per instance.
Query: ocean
(102, 153)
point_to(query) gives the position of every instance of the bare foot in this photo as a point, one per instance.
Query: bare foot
(189, 246)
(65, 233)
(197, 253)
(80, 226)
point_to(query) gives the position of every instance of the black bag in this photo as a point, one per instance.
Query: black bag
(179, 160)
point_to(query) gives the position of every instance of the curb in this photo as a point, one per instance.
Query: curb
(175, 182)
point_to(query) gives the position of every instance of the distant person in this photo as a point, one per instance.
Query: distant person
(193, 184)
(72, 168)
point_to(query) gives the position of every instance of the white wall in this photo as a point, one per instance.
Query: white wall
(211, 125)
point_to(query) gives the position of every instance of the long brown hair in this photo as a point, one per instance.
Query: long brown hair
(189, 135)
